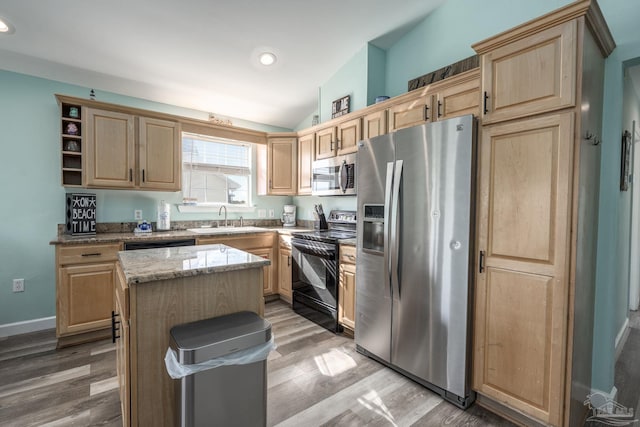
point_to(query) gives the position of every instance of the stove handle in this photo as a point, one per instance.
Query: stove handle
(329, 251)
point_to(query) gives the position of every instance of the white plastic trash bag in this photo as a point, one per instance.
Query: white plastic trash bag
(253, 354)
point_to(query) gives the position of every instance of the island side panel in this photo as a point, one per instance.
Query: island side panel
(158, 306)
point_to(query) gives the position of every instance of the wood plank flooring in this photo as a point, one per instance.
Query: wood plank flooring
(315, 378)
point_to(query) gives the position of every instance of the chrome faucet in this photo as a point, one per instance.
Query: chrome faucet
(241, 222)
(225, 214)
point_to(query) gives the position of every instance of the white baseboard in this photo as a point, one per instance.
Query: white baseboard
(621, 338)
(27, 326)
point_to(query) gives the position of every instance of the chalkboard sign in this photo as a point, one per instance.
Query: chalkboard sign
(81, 213)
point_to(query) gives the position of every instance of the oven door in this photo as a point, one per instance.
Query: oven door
(314, 270)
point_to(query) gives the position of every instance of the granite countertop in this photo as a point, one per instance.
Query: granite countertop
(348, 242)
(184, 261)
(169, 235)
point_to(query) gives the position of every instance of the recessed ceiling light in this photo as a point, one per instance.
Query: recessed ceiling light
(267, 58)
(5, 26)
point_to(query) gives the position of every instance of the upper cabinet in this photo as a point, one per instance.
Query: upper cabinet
(349, 133)
(415, 111)
(338, 139)
(111, 146)
(326, 143)
(532, 75)
(374, 124)
(282, 165)
(118, 156)
(110, 152)
(306, 152)
(458, 96)
(160, 154)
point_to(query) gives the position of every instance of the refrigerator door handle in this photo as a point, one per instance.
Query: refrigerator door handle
(387, 221)
(395, 230)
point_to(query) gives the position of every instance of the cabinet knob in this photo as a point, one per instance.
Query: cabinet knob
(143, 180)
(93, 254)
(439, 109)
(130, 175)
(426, 112)
(289, 261)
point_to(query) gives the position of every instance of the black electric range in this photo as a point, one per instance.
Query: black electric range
(315, 269)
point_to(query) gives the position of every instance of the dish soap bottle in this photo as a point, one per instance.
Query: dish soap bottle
(163, 222)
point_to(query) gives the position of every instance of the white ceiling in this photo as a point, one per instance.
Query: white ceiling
(201, 54)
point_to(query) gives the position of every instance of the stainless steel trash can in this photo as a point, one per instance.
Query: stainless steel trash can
(231, 395)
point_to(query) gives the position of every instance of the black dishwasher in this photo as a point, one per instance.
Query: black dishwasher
(153, 244)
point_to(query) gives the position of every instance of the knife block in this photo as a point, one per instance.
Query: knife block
(321, 224)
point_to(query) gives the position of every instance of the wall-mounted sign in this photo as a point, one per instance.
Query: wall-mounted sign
(81, 213)
(340, 107)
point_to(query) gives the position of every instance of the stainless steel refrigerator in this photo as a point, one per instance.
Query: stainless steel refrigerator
(414, 238)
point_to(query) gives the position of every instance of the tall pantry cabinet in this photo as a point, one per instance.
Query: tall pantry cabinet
(538, 190)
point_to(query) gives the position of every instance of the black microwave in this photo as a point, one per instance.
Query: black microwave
(335, 176)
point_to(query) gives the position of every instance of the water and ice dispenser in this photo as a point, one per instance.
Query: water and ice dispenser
(373, 228)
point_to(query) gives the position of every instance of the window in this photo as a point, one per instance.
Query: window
(215, 170)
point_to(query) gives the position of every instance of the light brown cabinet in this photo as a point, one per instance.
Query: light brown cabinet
(538, 182)
(123, 154)
(349, 133)
(260, 244)
(326, 143)
(282, 165)
(306, 156)
(123, 350)
(84, 291)
(284, 269)
(416, 111)
(534, 74)
(374, 124)
(347, 287)
(458, 96)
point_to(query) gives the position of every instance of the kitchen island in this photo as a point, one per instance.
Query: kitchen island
(157, 289)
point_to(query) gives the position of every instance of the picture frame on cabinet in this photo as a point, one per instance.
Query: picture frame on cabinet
(624, 161)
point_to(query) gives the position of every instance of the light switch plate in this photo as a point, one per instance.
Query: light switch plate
(137, 214)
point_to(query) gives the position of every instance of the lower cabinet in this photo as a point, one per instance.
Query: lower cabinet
(284, 269)
(347, 287)
(260, 244)
(84, 291)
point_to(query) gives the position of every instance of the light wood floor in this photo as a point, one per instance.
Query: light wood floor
(315, 378)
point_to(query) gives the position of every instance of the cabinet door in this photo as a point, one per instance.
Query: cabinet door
(522, 278)
(85, 297)
(160, 155)
(110, 143)
(306, 147)
(282, 163)
(374, 124)
(347, 295)
(349, 133)
(326, 143)
(411, 113)
(268, 284)
(532, 75)
(458, 100)
(284, 275)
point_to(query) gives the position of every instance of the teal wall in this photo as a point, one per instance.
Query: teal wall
(612, 278)
(33, 199)
(376, 73)
(348, 80)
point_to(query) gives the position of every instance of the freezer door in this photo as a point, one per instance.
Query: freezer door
(373, 292)
(429, 333)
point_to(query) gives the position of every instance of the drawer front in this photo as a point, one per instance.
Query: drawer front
(83, 254)
(348, 254)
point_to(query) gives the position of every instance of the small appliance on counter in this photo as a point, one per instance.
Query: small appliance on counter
(289, 216)
(163, 222)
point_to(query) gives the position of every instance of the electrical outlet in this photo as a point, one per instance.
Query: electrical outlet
(262, 213)
(137, 214)
(272, 213)
(18, 285)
